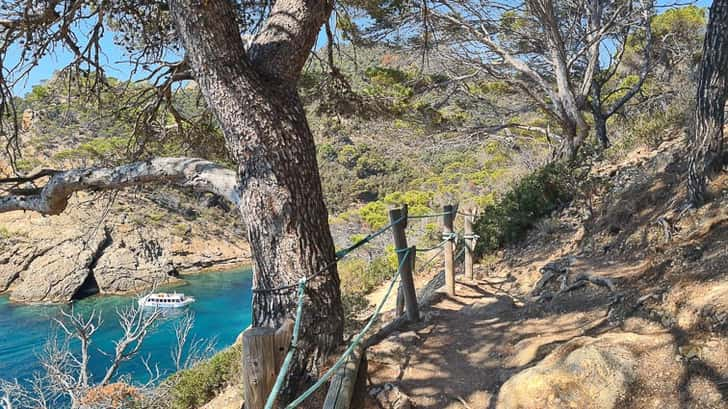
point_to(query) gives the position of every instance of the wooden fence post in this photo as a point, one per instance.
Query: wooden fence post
(259, 365)
(447, 229)
(263, 352)
(400, 243)
(469, 244)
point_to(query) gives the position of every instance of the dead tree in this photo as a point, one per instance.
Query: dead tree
(548, 50)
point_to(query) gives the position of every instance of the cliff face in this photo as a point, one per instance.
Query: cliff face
(98, 247)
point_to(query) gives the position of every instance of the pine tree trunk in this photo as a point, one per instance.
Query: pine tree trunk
(707, 139)
(282, 204)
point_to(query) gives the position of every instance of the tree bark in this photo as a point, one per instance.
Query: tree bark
(52, 199)
(707, 139)
(255, 99)
(600, 119)
(569, 103)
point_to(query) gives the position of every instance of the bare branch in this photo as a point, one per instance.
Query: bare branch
(136, 324)
(197, 174)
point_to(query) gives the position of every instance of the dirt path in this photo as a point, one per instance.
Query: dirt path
(468, 345)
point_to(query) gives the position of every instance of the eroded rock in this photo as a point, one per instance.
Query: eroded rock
(131, 261)
(598, 373)
(59, 273)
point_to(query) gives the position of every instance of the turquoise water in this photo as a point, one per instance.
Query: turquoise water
(222, 311)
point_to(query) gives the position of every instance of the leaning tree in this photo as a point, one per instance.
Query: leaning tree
(562, 56)
(246, 59)
(706, 156)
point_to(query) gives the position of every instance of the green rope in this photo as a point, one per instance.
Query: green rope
(462, 251)
(344, 252)
(338, 257)
(289, 356)
(428, 262)
(446, 237)
(357, 340)
(354, 343)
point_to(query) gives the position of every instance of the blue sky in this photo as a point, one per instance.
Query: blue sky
(112, 60)
(113, 55)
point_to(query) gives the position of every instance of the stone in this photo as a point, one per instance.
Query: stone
(27, 121)
(59, 273)
(131, 262)
(390, 396)
(597, 373)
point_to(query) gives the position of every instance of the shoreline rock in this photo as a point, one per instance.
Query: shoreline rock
(57, 259)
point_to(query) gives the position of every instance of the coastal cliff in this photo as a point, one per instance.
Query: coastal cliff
(104, 246)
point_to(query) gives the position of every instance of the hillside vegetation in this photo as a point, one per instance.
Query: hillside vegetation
(598, 244)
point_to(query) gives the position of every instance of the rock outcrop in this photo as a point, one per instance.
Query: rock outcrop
(57, 274)
(606, 372)
(134, 258)
(91, 250)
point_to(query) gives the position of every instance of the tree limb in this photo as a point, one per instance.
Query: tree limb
(197, 174)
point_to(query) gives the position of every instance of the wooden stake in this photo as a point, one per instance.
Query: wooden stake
(264, 350)
(259, 365)
(447, 228)
(469, 244)
(400, 243)
(341, 390)
(283, 342)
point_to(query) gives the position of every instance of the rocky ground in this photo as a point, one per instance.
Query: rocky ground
(115, 244)
(618, 301)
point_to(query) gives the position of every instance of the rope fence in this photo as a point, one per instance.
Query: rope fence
(406, 257)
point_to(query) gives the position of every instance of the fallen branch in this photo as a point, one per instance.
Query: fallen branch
(583, 279)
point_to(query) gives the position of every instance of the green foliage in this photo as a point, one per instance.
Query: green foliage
(651, 126)
(510, 216)
(97, 149)
(327, 151)
(624, 85)
(677, 36)
(181, 229)
(688, 20)
(418, 202)
(361, 276)
(386, 77)
(27, 164)
(157, 217)
(354, 304)
(192, 388)
(4, 232)
(39, 93)
(374, 214)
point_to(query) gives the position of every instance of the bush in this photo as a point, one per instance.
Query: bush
(360, 276)
(192, 388)
(509, 218)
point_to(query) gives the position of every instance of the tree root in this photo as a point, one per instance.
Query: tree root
(539, 294)
(666, 227)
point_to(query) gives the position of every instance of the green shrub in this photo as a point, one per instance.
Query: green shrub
(181, 229)
(354, 305)
(510, 216)
(359, 276)
(374, 214)
(192, 388)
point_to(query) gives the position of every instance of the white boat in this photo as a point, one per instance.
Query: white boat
(165, 300)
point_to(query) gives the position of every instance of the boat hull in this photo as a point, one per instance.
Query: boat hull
(156, 304)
